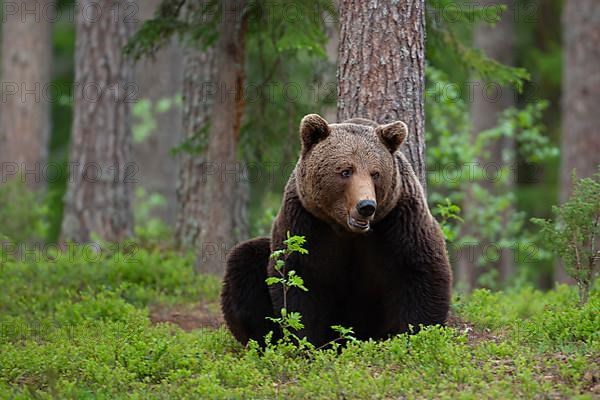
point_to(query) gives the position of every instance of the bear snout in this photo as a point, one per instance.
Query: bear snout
(359, 218)
(366, 208)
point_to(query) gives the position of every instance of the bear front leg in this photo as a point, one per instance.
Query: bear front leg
(425, 301)
(316, 309)
(245, 299)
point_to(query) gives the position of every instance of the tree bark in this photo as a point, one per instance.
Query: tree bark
(581, 92)
(223, 215)
(199, 73)
(98, 197)
(580, 147)
(26, 68)
(381, 68)
(488, 102)
(157, 78)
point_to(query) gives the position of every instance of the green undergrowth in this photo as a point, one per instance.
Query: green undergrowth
(80, 328)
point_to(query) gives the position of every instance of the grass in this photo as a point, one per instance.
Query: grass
(81, 328)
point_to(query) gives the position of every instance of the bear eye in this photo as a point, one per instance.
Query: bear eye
(347, 173)
(375, 175)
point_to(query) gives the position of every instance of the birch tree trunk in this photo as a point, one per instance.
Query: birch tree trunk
(26, 67)
(98, 197)
(223, 217)
(381, 68)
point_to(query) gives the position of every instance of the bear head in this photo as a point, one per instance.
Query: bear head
(347, 173)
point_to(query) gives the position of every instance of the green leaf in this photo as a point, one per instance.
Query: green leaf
(294, 320)
(273, 280)
(296, 281)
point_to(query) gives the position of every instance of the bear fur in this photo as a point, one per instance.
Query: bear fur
(378, 273)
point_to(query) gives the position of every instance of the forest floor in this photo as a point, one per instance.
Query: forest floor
(188, 316)
(150, 328)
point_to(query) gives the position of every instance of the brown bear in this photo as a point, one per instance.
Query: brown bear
(376, 257)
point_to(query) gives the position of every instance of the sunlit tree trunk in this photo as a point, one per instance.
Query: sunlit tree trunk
(25, 113)
(98, 198)
(580, 146)
(488, 102)
(223, 214)
(159, 80)
(381, 68)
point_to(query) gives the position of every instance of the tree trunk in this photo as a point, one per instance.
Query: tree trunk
(158, 78)
(25, 115)
(381, 68)
(488, 102)
(199, 72)
(223, 216)
(580, 146)
(98, 197)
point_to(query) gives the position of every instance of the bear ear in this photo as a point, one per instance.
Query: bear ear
(313, 129)
(392, 135)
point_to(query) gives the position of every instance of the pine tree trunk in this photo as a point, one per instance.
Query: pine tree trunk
(381, 68)
(199, 71)
(223, 216)
(158, 78)
(488, 102)
(580, 146)
(25, 114)
(98, 198)
(581, 91)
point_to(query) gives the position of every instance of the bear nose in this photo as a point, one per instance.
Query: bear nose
(366, 208)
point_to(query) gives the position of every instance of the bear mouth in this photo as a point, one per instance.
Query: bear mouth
(358, 225)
